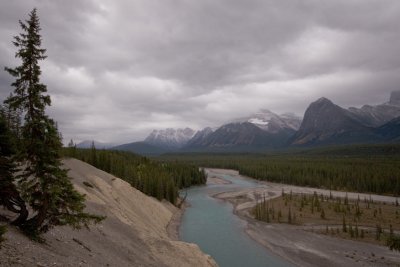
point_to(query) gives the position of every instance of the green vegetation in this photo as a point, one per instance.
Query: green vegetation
(160, 180)
(38, 181)
(346, 169)
(361, 219)
(3, 230)
(393, 242)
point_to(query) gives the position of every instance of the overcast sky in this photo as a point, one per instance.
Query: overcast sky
(116, 69)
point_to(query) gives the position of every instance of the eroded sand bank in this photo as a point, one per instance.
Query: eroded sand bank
(133, 234)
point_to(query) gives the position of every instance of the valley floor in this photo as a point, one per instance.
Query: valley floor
(299, 244)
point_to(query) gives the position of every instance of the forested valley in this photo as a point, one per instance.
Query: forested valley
(161, 180)
(368, 169)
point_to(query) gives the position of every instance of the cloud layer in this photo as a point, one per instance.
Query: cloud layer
(118, 69)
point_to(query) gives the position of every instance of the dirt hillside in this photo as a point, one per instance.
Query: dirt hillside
(134, 233)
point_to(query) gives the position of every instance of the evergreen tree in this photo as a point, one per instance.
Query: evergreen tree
(344, 227)
(44, 185)
(93, 155)
(72, 148)
(9, 195)
(394, 242)
(323, 214)
(3, 230)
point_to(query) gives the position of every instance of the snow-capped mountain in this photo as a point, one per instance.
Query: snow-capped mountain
(378, 115)
(200, 136)
(170, 138)
(271, 122)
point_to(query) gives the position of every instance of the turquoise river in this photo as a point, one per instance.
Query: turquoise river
(211, 224)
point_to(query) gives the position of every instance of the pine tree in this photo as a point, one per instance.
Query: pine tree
(322, 214)
(3, 230)
(44, 184)
(9, 195)
(378, 232)
(344, 227)
(351, 231)
(72, 149)
(93, 155)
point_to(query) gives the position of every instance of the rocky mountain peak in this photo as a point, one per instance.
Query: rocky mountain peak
(323, 120)
(323, 101)
(170, 138)
(378, 115)
(272, 122)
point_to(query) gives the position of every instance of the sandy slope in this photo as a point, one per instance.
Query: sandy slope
(134, 233)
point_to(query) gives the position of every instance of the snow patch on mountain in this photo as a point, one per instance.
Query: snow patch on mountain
(271, 122)
(258, 121)
(170, 138)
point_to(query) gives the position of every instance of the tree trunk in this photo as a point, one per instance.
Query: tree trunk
(9, 198)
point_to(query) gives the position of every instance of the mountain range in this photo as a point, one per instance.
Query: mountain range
(99, 145)
(324, 123)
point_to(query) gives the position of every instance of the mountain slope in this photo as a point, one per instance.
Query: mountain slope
(326, 123)
(170, 139)
(199, 138)
(271, 122)
(240, 137)
(378, 115)
(390, 131)
(141, 148)
(98, 145)
(133, 234)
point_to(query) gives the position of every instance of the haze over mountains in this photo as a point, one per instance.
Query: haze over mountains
(324, 123)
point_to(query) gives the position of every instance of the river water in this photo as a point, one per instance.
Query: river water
(211, 224)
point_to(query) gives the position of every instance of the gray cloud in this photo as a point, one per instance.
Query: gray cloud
(118, 69)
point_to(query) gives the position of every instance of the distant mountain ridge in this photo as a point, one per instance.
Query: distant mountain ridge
(240, 137)
(324, 123)
(327, 123)
(271, 122)
(256, 132)
(378, 115)
(142, 148)
(199, 138)
(98, 145)
(170, 139)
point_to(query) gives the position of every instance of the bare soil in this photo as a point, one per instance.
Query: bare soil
(133, 234)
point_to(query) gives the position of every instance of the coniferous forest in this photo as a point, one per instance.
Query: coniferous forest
(370, 169)
(156, 179)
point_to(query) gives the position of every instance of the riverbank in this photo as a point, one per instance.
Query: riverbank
(298, 244)
(175, 222)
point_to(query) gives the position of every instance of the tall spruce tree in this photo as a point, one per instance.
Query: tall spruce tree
(43, 183)
(9, 194)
